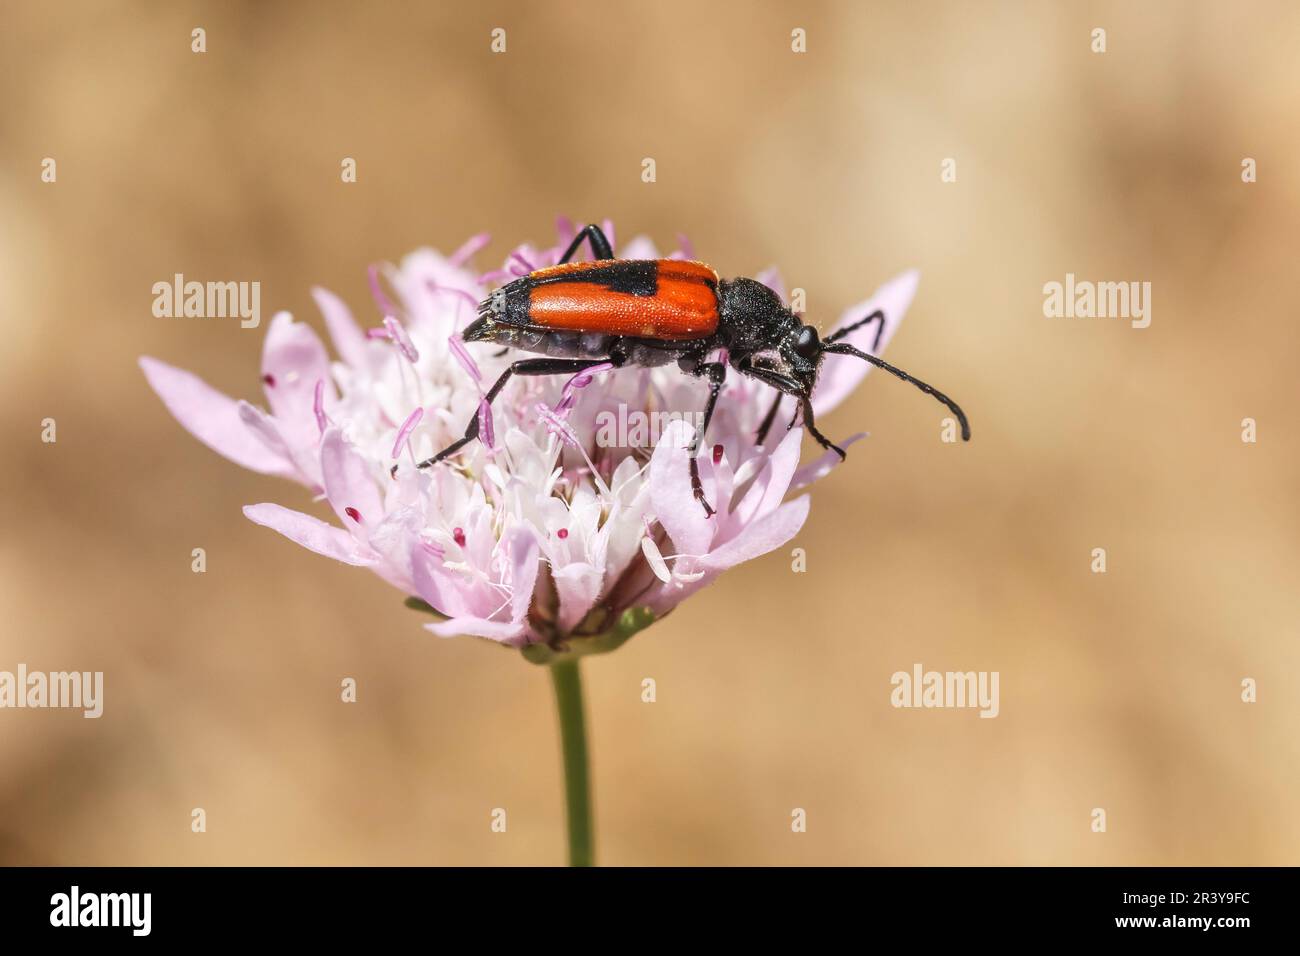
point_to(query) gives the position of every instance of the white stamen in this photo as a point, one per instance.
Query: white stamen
(655, 560)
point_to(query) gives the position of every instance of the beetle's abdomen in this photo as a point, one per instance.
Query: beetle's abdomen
(664, 299)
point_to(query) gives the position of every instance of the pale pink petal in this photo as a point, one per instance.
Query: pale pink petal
(521, 546)
(671, 497)
(639, 248)
(386, 305)
(481, 544)
(391, 541)
(293, 361)
(306, 463)
(578, 585)
(816, 470)
(766, 534)
(263, 426)
(318, 406)
(349, 340)
(212, 418)
(434, 585)
(774, 480)
(350, 485)
(467, 250)
(311, 533)
(841, 374)
(565, 230)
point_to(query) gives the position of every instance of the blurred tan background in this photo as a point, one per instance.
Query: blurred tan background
(1119, 691)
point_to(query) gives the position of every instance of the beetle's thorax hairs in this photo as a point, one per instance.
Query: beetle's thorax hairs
(752, 317)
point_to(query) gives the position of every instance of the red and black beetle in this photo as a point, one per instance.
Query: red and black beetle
(652, 312)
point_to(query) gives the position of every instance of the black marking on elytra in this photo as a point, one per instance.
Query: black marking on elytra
(638, 277)
(510, 303)
(516, 311)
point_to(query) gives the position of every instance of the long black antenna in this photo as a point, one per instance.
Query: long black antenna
(877, 316)
(843, 348)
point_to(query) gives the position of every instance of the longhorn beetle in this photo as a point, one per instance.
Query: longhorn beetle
(651, 312)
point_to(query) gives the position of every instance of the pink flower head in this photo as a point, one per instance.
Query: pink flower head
(541, 535)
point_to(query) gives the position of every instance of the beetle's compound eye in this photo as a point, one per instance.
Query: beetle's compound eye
(807, 345)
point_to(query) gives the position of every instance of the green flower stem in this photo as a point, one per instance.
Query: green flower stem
(562, 655)
(577, 774)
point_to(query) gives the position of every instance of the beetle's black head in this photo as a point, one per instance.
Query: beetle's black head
(784, 352)
(756, 323)
(802, 348)
(798, 355)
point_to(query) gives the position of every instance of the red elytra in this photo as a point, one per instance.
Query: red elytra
(604, 297)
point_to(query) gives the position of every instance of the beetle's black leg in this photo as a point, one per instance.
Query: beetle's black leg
(791, 386)
(806, 405)
(541, 366)
(768, 419)
(782, 383)
(600, 248)
(717, 375)
(876, 316)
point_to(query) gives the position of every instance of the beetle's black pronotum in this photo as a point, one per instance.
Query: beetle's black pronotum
(651, 312)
